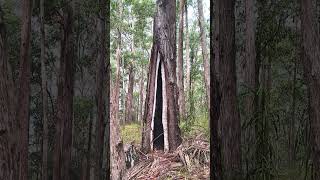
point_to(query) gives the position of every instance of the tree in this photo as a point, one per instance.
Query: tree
(311, 66)
(129, 99)
(100, 91)
(180, 84)
(205, 55)
(24, 89)
(44, 170)
(63, 134)
(8, 124)
(116, 144)
(249, 71)
(224, 113)
(188, 62)
(161, 108)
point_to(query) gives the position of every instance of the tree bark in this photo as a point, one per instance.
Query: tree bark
(141, 96)
(129, 99)
(63, 136)
(8, 123)
(24, 89)
(116, 144)
(45, 130)
(250, 78)
(180, 83)
(100, 91)
(205, 54)
(163, 54)
(228, 116)
(311, 65)
(188, 63)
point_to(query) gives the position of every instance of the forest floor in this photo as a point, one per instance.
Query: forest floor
(189, 161)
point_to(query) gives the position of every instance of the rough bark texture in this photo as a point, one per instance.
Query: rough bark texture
(311, 63)
(229, 120)
(100, 91)
(8, 124)
(116, 144)
(250, 78)
(164, 51)
(24, 89)
(63, 136)
(180, 72)
(108, 82)
(44, 170)
(205, 54)
(188, 62)
(141, 97)
(129, 117)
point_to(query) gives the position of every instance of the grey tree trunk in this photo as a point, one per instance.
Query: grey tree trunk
(129, 117)
(63, 136)
(8, 124)
(188, 62)
(44, 170)
(161, 106)
(205, 54)
(180, 72)
(24, 89)
(311, 65)
(228, 115)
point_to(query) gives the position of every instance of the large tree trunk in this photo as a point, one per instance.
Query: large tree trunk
(44, 170)
(116, 144)
(311, 63)
(24, 89)
(63, 136)
(8, 124)
(180, 72)
(228, 116)
(100, 95)
(161, 108)
(205, 54)
(250, 78)
(129, 99)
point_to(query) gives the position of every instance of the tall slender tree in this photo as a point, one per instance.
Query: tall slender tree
(205, 55)
(63, 135)
(180, 72)
(311, 65)
(24, 89)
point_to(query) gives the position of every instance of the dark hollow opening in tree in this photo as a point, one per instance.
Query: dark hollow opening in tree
(158, 137)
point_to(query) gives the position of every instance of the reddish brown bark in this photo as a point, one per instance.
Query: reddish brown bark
(129, 117)
(63, 136)
(228, 119)
(24, 89)
(311, 65)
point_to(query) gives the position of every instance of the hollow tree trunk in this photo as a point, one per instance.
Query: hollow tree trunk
(311, 65)
(100, 91)
(180, 72)
(205, 54)
(44, 169)
(63, 136)
(8, 124)
(129, 99)
(161, 105)
(228, 119)
(24, 89)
